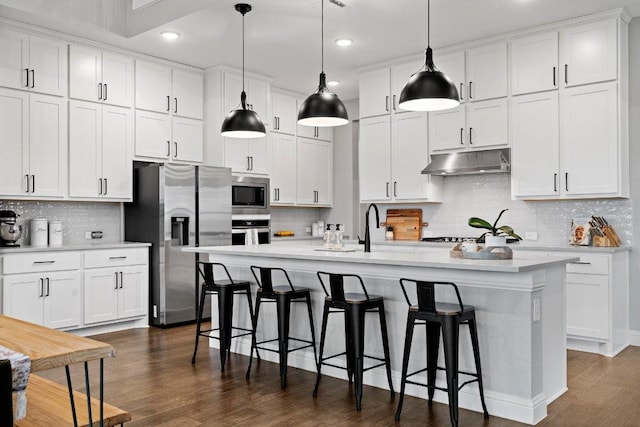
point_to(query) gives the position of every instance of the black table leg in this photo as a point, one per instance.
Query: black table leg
(73, 404)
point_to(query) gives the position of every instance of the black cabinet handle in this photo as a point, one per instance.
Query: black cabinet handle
(100, 184)
(26, 71)
(99, 90)
(176, 105)
(395, 188)
(33, 183)
(117, 257)
(470, 93)
(580, 262)
(33, 78)
(387, 190)
(461, 136)
(394, 103)
(554, 76)
(470, 136)
(27, 179)
(461, 97)
(105, 187)
(47, 294)
(121, 281)
(566, 74)
(175, 154)
(116, 273)
(41, 288)
(44, 262)
(386, 102)
(251, 157)
(555, 182)
(168, 148)
(105, 91)
(248, 164)
(168, 103)
(566, 181)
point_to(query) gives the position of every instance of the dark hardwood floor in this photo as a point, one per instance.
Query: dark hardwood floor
(152, 378)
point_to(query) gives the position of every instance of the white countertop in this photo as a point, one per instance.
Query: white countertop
(378, 255)
(73, 247)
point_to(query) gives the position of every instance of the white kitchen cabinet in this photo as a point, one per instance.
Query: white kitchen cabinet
(447, 129)
(393, 152)
(589, 53)
(534, 63)
(35, 138)
(100, 137)
(114, 293)
(164, 90)
(284, 113)
(100, 76)
(246, 155)
(487, 72)
(159, 136)
(33, 63)
(283, 169)
(314, 172)
(257, 91)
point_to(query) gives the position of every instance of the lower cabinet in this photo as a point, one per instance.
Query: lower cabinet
(114, 293)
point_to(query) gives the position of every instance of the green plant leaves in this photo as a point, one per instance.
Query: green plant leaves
(476, 222)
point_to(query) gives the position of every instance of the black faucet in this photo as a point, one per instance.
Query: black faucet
(367, 236)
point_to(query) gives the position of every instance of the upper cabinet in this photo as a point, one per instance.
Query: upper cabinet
(534, 63)
(284, 113)
(163, 90)
(589, 53)
(33, 63)
(159, 136)
(314, 173)
(246, 155)
(100, 76)
(487, 72)
(257, 91)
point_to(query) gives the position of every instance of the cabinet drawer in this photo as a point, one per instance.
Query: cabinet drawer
(590, 264)
(115, 257)
(41, 261)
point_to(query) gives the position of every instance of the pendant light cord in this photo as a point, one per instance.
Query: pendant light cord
(428, 23)
(243, 52)
(322, 35)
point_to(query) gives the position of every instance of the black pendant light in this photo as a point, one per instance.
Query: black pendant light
(243, 123)
(429, 89)
(322, 108)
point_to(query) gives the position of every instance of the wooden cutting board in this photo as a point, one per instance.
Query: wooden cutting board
(407, 223)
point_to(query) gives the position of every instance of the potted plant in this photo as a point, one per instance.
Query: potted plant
(496, 236)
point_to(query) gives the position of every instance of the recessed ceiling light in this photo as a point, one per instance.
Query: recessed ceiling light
(333, 83)
(344, 42)
(170, 35)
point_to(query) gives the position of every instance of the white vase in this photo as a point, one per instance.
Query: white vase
(493, 241)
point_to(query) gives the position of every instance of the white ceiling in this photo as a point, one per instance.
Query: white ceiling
(283, 36)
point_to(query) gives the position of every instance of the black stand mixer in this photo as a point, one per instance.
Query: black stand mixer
(10, 232)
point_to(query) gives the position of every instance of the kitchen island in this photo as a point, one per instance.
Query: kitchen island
(520, 309)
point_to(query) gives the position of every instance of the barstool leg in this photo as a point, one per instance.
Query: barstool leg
(323, 333)
(313, 332)
(253, 335)
(433, 345)
(225, 316)
(450, 333)
(253, 327)
(357, 338)
(411, 320)
(348, 345)
(283, 307)
(385, 346)
(198, 324)
(473, 331)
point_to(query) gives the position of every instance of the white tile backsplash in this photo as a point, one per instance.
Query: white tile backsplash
(295, 219)
(77, 218)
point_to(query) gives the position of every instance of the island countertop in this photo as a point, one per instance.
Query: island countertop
(425, 257)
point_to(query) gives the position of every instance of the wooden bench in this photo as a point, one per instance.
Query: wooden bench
(48, 405)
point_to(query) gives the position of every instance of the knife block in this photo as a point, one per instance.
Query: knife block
(603, 241)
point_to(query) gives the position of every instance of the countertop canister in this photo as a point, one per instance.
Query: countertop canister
(55, 233)
(38, 232)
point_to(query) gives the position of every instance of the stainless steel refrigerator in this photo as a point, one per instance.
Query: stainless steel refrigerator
(177, 206)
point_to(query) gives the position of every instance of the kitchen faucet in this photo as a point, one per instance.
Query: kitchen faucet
(367, 236)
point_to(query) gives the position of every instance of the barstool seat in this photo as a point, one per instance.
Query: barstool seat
(283, 296)
(445, 317)
(354, 306)
(225, 289)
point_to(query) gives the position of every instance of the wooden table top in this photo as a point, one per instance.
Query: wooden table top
(49, 348)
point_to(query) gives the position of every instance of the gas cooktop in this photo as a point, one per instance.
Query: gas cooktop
(459, 239)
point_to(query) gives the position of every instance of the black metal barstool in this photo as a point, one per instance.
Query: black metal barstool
(283, 296)
(225, 289)
(449, 317)
(354, 306)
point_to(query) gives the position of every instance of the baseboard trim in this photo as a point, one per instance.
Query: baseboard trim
(634, 338)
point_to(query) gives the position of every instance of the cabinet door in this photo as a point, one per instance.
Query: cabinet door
(62, 300)
(258, 155)
(100, 295)
(589, 139)
(285, 115)
(305, 186)
(487, 72)
(14, 59)
(85, 141)
(153, 87)
(14, 143)
(47, 144)
(324, 133)
(535, 150)
(409, 155)
(375, 159)
(132, 294)
(187, 94)
(258, 98)
(283, 169)
(117, 141)
(323, 172)
(117, 79)
(487, 123)
(22, 296)
(588, 305)
(453, 65)
(48, 62)
(85, 73)
(400, 74)
(153, 135)
(236, 154)
(187, 140)
(589, 53)
(375, 98)
(447, 129)
(534, 63)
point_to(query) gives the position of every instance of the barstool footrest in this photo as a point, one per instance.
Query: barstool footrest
(207, 333)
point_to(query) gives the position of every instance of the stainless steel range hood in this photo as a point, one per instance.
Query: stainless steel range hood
(469, 162)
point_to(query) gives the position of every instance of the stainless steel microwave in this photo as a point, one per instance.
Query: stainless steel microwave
(249, 195)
